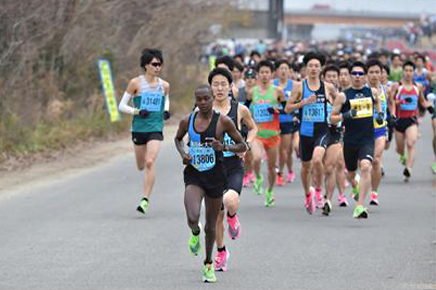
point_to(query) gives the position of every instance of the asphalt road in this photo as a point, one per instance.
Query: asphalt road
(84, 233)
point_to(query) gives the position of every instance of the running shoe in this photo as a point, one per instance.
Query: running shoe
(290, 177)
(433, 168)
(143, 206)
(342, 199)
(360, 212)
(280, 181)
(252, 177)
(403, 159)
(269, 198)
(246, 181)
(373, 198)
(407, 174)
(234, 227)
(309, 204)
(257, 186)
(318, 198)
(221, 260)
(209, 274)
(327, 209)
(194, 242)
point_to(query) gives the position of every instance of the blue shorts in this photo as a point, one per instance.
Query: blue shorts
(380, 132)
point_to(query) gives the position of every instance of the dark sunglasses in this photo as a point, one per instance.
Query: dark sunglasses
(156, 64)
(357, 73)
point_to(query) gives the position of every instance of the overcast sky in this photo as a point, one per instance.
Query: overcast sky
(397, 6)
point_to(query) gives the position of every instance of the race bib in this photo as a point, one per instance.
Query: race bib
(203, 158)
(151, 101)
(363, 107)
(314, 113)
(229, 141)
(409, 106)
(261, 114)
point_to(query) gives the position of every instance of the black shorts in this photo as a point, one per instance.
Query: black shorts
(308, 144)
(286, 128)
(403, 123)
(353, 153)
(213, 181)
(333, 137)
(141, 138)
(234, 171)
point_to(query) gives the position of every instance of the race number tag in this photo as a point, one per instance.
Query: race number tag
(314, 113)
(409, 106)
(229, 141)
(363, 107)
(203, 158)
(261, 114)
(151, 101)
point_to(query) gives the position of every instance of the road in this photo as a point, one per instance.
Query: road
(83, 232)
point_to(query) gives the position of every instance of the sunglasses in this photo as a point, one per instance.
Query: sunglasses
(357, 73)
(156, 64)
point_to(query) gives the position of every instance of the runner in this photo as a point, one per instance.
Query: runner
(403, 104)
(265, 100)
(204, 174)
(237, 75)
(284, 74)
(220, 80)
(311, 97)
(374, 69)
(355, 107)
(228, 63)
(344, 76)
(396, 71)
(151, 106)
(334, 164)
(431, 109)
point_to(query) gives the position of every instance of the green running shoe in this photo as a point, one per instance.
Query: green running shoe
(143, 206)
(433, 168)
(257, 186)
(194, 242)
(269, 198)
(360, 212)
(403, 159)
(209, 273)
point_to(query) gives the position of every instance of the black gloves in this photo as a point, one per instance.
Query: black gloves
(166, 115)
(379, 118)
(143, 113)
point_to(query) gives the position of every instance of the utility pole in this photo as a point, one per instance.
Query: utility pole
(276, 24)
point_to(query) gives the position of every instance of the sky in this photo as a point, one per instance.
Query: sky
(395, 6)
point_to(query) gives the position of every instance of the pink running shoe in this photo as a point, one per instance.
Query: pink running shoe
(290, 177)
(309, 204)
(373, 198)
(280, 181)
(342, 199)
(221, 260)
(246, 181)
(319, 199)
(234, 227)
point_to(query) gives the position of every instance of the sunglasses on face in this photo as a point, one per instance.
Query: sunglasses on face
(156, 64)
(357, 73)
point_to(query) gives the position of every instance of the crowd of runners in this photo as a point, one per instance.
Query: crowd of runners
(335, 113)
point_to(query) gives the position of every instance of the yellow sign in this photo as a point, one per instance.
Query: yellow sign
(108, 89)
(363, 107)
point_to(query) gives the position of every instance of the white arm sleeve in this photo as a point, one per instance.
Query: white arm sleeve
(124, 104)
(167, 103)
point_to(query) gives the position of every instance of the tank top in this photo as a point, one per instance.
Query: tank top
(396, 74)
(314, 116)
(407, 110)
(422, 79)
(233, 115)
(286, 118)
(384, 108)
(153, 100)
(204, 158)
(361, 127)
(268, 124)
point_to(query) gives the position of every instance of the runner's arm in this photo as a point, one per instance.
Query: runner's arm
(336, 116)
(178, 139)
(293, 102)
(249, 122)
(128, 94)
(421, 97)
(392, 103)
(377, 100)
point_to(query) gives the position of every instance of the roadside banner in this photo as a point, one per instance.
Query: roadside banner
(107, 84)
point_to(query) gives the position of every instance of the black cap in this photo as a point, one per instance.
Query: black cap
(250, 73)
